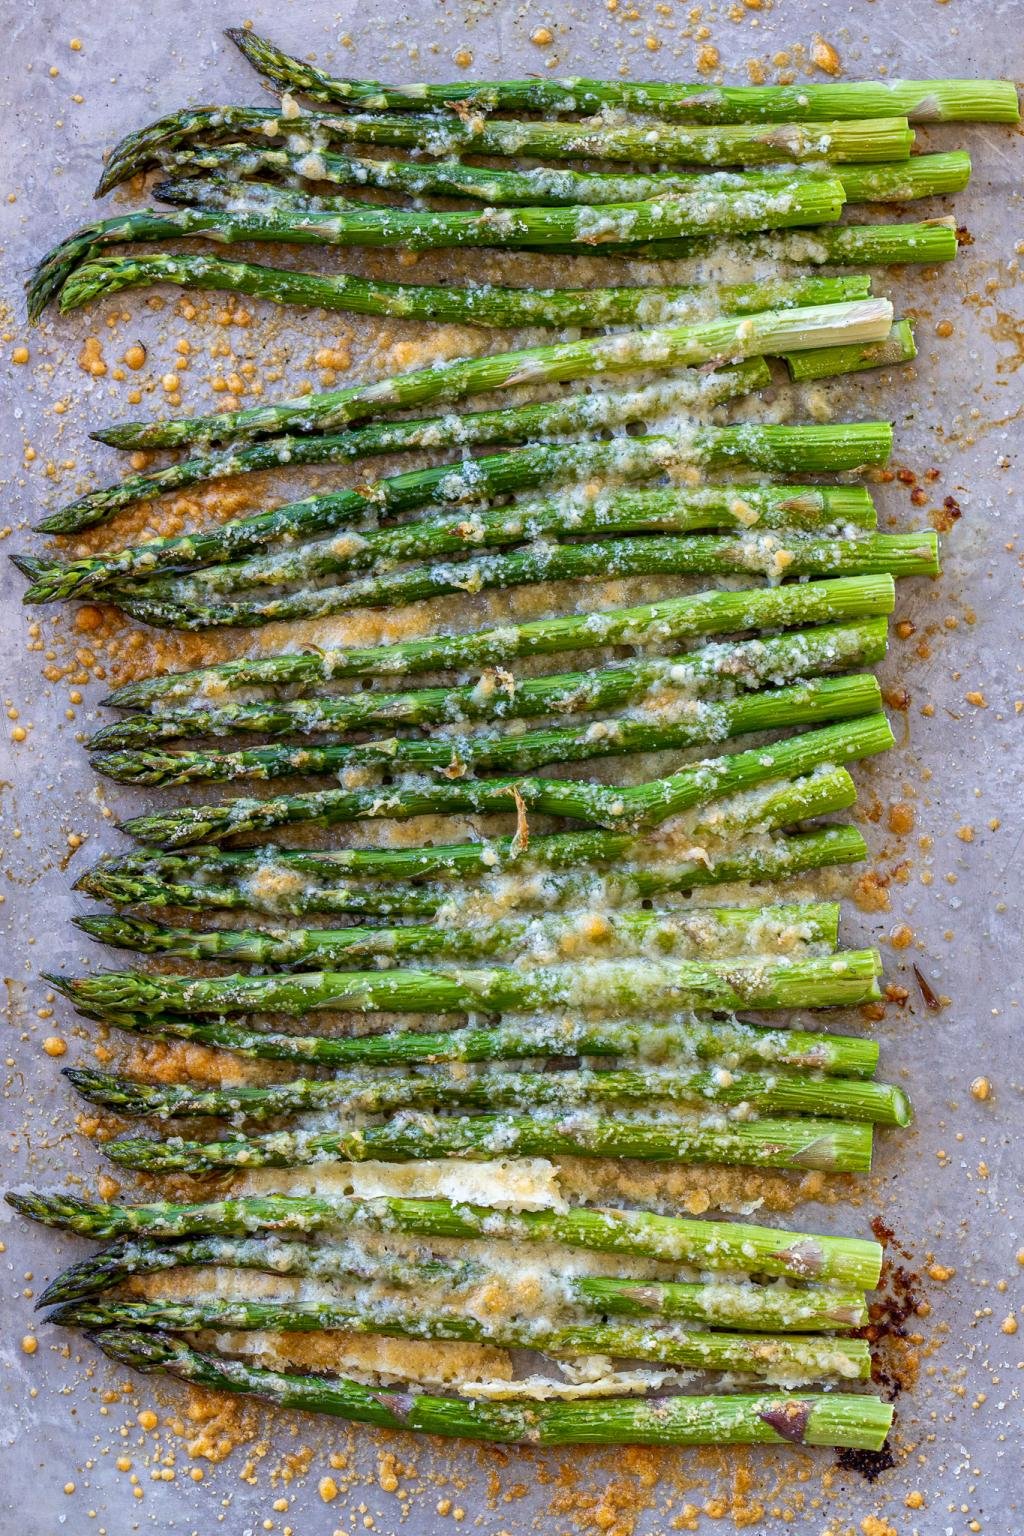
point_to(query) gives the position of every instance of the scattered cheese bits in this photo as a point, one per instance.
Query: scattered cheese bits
(53, 1045)
(825, 57)
(981, 1089)
(29, 1344)
(541, 36)
(327, 1489)
(19, 355)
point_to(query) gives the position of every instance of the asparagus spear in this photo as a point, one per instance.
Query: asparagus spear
(783, 1358)
(180, 605)
(729, 1042)
(777, 1308)
(873, 140)
(605, 985)
(829, 1145)
(876, 140)
(268, 884)
(637, 807)
(830, 1418)
(665, 623)
(898, 347)
(928, 241)
(693, 680)
(804, 200)
(823, 699)
(818, 449)
(571, 414)
(923, 101)
(650, 861)
(711, 931)
(578, 512)
(921, 176)
(776, 1092)
(711, 1245)
(851, 244)
(484, 304)
(769, 332)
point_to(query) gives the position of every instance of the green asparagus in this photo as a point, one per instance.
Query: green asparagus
(835, 1419)
(803, 200)
(802, 704)
(816, 449)
(179, 604)
(571, 414)
(608, 986)
(483, 304)
(665, 623)
(921, 176)
(729, 1042)
(774, 1093)
(769, 332)
(712, 1245)
(694, 681)
(639, 807)
(923, 101)
(712, 932)
(270, 883)
(930, 240)
(787, 1358)
(778, 1307)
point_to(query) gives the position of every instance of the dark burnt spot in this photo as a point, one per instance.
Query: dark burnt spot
(867, 1464)
(963, 235)
(894, 1354)
(788, 1420)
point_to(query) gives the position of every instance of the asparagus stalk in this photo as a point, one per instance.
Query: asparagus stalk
(773, 1093)
(711, 931)
(706, 613)
(571, 414)
(349, 1261)
(923, 101)
(711, 1245)
(622, 855)
(792, 1359)
(855, 1420)
(180, 605)
(898, 347)
(803, 200)
(818, 449)
(580, 512)
(829, 1145)
(484, 304)
(930, 240)
(271, 885)
(769, 332)
(637, 807)
(605, 985)
(921, 176)
(722, 1041)
(927, 241)
(695, 679)
(802, 704)
(854, 141)
(874, 140)
(777, 1308)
